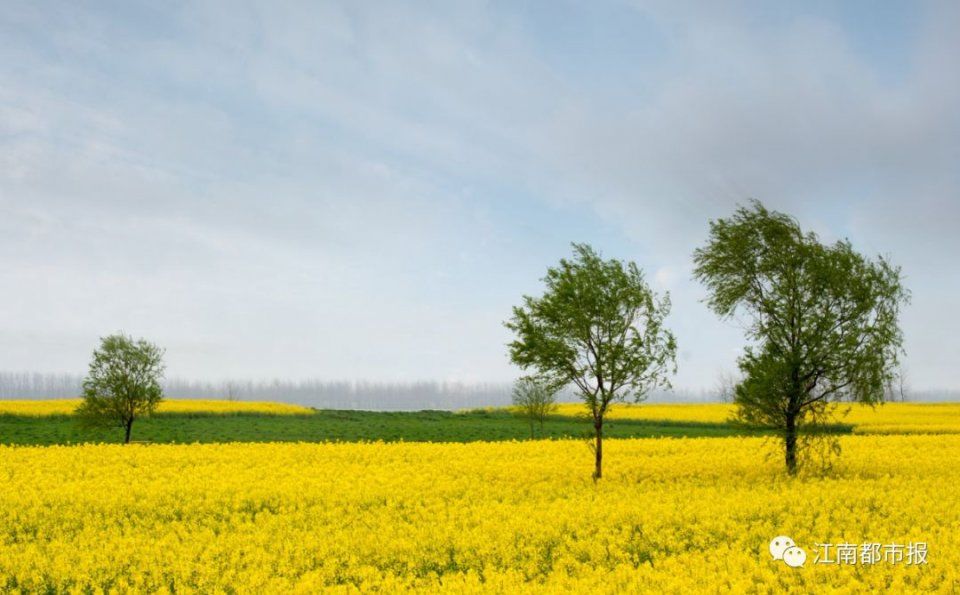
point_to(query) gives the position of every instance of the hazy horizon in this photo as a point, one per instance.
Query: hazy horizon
(360, 394)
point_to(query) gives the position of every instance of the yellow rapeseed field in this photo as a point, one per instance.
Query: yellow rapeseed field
(889, 418)
(670, 515)
(67, 406)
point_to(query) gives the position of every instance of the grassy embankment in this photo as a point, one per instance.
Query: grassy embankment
(188, 421)
(46, 423)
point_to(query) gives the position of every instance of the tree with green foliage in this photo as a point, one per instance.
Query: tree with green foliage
(823, 320)
(123, 383)
(600, 327)
(534, 400)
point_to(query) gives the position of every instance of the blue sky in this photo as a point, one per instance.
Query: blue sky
(363, 190)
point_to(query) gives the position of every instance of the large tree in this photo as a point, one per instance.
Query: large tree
(123, 383)
(822, 319)
(600, 327)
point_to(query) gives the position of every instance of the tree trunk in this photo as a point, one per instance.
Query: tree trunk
(598, 450)
(128, 427)
(790, 444)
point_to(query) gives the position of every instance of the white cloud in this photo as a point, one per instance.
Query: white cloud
(350, 189)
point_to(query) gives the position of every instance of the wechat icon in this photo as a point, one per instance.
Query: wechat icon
(783, 548)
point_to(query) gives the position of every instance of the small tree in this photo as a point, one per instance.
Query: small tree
(123, 383)
(823, 319)
(599, 326)
(534, 400)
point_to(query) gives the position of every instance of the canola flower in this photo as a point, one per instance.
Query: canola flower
(670, 516)
(889, 418)
(898, 418)
(40, 408)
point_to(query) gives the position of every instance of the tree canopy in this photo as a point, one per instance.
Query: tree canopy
(822, 319)
(534, 400)
(123, 382)
(599, 327)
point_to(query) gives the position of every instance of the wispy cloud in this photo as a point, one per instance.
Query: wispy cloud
(362, 190)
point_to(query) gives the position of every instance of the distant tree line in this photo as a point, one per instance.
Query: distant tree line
(376, 396)
(36, 385)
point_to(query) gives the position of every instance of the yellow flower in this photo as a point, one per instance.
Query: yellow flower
(670, 516)
(67, 406)
(889, 418)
